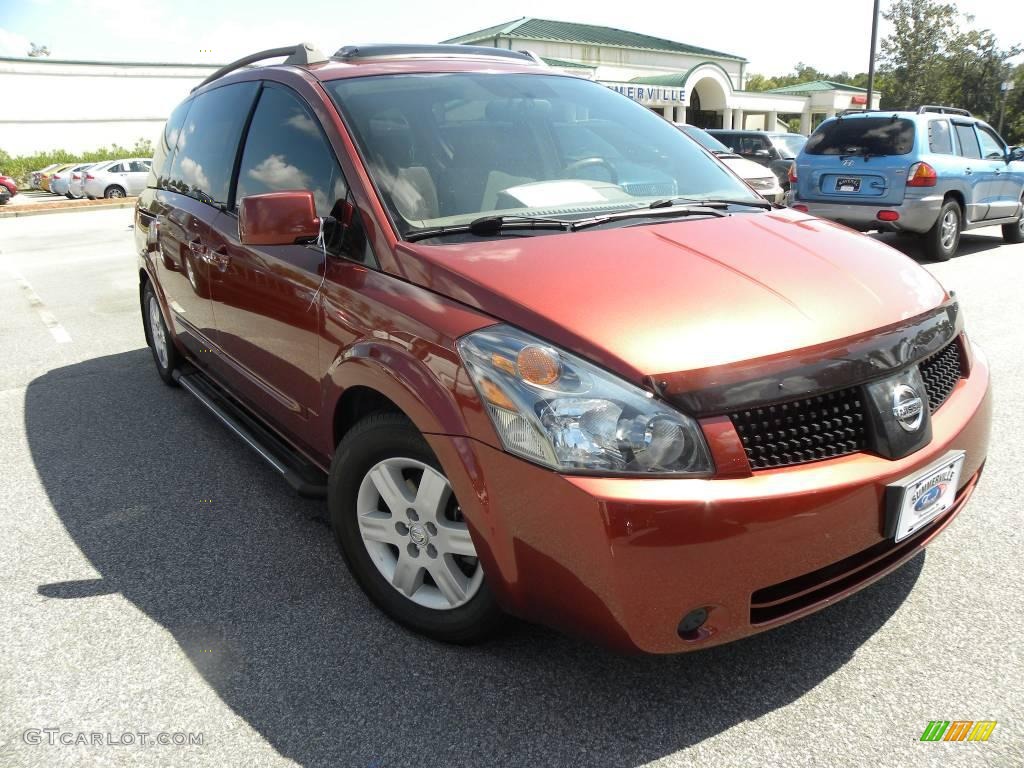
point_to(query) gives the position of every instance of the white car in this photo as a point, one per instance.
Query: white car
(118, 178)
(76, 186)
(762, 179)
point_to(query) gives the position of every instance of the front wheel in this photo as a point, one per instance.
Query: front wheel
(1014, 233)
(402, 533)
(942, 240)
(165, 355)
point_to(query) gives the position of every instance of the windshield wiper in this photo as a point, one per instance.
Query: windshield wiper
(486, 226)
(648, 213)
(714, 203)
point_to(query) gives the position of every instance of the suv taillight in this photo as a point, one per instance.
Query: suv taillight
(792, 173)
(921, 175)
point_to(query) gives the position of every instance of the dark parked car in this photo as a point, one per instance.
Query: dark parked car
(527, 379)
(5, 195)
(773, 149)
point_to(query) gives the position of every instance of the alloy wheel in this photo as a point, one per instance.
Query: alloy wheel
(949, 229)
(414, 531)
(156, 332)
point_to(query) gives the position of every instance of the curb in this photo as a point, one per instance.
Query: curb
(29, 209)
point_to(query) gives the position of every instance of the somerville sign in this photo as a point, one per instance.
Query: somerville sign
(650, 95)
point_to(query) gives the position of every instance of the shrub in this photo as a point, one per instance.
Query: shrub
(20, 166)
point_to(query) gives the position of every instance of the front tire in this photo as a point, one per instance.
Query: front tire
(942, 240)
(402, 533)
(165, 355)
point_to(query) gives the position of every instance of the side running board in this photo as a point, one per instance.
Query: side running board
(307, 479)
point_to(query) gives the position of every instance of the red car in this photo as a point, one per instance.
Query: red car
(9, 184)
(546, 356)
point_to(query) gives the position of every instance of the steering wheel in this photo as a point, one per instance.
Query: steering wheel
(588, 162)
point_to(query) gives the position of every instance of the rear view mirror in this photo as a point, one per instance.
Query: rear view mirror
(277, 218)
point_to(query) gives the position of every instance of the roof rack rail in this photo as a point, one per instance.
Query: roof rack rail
(301, 55)
(943, 110)
(443, 51)
(856, 111)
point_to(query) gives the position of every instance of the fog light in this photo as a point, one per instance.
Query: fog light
(691, 622)
(888, 215)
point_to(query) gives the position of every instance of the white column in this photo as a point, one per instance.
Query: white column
(805, 122)
(726, 117)
(773, 118)
(737, 119)
(667, 112)
(681, 114)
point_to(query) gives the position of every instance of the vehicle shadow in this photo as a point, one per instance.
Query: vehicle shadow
(191, 527)
(970, 243)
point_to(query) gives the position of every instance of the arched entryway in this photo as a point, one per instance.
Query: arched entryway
(706, 103)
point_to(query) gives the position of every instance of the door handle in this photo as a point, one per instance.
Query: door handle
(967, 171)
(197, 248)
(220, 258)
(999, 171)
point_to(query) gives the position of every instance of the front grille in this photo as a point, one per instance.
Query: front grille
(651, 188)
(799, 431)
(941, 372)
(833, 424)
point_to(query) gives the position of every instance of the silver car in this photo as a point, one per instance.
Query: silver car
(119, 178)
(60, 183)
(76, 187)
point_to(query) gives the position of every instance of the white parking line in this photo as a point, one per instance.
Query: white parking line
(59, 333)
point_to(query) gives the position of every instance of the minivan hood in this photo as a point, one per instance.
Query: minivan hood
(683, 295)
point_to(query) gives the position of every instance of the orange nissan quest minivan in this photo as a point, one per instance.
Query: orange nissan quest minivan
(543, 354)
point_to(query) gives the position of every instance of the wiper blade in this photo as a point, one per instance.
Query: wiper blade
(486, 226)
(648, 213)
(719, 203)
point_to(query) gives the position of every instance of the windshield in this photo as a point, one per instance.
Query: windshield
(445, 149)
(704, 138)
(863, 136)
(789, 145)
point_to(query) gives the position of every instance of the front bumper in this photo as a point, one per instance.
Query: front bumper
(916, 214)
(621, 561)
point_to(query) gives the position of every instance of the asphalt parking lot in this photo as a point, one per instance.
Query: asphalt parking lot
(157, 577)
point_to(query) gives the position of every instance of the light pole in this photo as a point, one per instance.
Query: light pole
(871, 61)
(1006, 87)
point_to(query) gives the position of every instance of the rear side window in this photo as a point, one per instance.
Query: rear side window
(863, 136)
(940, 141)
(968, 140)
(165, 148)
(208, 143)
(117, 168)
(286, 149)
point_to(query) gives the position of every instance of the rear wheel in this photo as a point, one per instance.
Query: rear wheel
(114, 191)
(403, 535)
(1014, 233)
(165, 355)
(942, 240)
(69, 196)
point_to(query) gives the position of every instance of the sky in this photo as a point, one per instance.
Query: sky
(834, 37)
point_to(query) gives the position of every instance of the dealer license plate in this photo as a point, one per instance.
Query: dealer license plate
(847, 184)
(927, 495)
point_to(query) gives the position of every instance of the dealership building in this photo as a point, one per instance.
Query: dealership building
(83, 105)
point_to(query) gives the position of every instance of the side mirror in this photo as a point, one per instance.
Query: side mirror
(277, 218)
(1015, 153)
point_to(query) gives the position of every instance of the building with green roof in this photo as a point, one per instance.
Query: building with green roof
(683, 82)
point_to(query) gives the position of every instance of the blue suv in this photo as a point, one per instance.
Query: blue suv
(935, 172)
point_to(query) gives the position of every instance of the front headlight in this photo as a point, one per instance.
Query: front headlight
(556, 409)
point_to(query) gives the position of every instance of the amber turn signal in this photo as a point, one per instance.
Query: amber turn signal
(538, 365)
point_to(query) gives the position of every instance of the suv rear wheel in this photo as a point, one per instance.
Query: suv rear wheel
(942, 240)
(402, 533)
(1014, 233)
(165, 355)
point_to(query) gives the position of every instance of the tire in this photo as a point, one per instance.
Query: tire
(165, 355)
(1014, 233)
(114, 191)
(421, 544)
(69, 196)
(942, 240)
